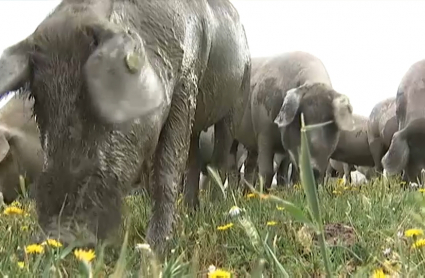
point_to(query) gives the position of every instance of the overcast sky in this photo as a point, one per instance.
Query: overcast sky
(366, 46)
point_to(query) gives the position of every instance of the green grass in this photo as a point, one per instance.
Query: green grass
(375, 211)
(294, 232)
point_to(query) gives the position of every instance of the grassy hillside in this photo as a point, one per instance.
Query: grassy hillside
(365, 231)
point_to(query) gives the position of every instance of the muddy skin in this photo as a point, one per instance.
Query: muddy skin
(381, 126)
(20, 149)
(119, 82)
(407, 149)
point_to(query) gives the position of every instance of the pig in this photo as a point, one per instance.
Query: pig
(284, 86)
(118, 83)
(407, 149)
(381, 126)
(20, 149)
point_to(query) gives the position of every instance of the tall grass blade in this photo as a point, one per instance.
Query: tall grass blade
(309, 184)
(217, 179)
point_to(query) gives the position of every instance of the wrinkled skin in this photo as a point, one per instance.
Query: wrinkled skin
(275, 114)
(407, 149)
(20, 149)
(117, 83)
(381, 126)
(353, 147)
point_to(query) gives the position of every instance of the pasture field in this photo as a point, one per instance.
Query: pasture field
(365, 229)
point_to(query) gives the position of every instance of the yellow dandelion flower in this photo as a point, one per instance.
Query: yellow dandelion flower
(422, 190)
(83, 255)
(413, 232)
(225, 227)
(279, 208)
(219, 273)
(10, 210)
(418, 244)
(34, 248)
(52, 243)
(379, 273)
(21, 264)
(250, 195)
(271, 223)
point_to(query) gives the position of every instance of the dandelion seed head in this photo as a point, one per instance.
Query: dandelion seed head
(234, 211)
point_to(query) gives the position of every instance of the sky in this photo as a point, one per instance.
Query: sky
(365, 45)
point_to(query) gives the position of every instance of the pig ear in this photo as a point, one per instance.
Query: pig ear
(121, 82)
(4, 146)
(14, 67)
(289, 108)
(343, 113)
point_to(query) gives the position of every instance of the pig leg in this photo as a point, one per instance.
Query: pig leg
(347, 172)
(413, 173)
(222, 144)
(282, 171)
(170, 162)
(233, 167)
(265, 159)
(328, 173)
(377, 150)
(191, 189)
(250, 169)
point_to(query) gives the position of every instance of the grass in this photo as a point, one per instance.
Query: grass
(376, 212)
(293, 232)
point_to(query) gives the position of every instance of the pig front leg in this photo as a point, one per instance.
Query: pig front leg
(170, 162)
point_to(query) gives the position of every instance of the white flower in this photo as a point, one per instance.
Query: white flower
(211, 268)
(234, 211)
(387, 251)
(143, 246)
